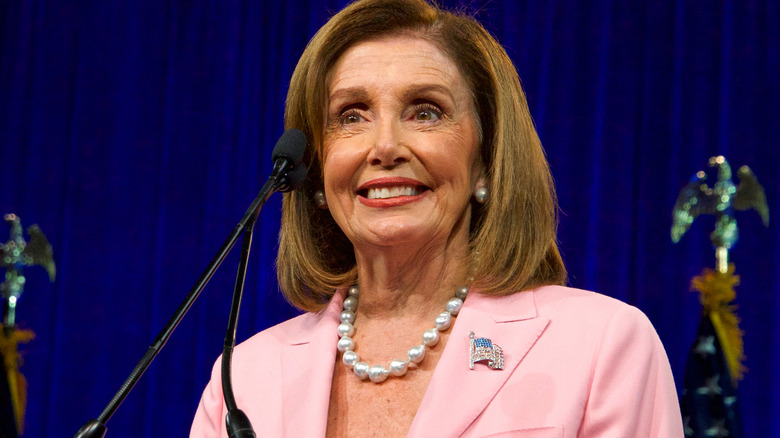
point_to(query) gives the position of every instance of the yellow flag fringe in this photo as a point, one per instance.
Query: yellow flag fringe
(716, 293)
(17, 384)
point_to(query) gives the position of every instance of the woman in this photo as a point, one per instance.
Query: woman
(428, 185)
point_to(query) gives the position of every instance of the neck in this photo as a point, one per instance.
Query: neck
(410, 284)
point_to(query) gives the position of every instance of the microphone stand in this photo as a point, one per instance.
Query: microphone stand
(236, 422)
(96, 428)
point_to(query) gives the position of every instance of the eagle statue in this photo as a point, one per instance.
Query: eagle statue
(15, 254)
(697, 198)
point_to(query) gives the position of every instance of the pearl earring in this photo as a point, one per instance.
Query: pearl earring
(481, 194)
(319, 199)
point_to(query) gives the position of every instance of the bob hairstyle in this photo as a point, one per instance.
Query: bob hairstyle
(512, 237)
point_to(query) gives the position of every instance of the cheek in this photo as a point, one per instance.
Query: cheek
(456, 158)
(340, 165)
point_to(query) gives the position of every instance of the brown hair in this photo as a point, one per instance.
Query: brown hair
(512, 236)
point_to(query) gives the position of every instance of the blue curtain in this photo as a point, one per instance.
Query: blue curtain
(136, 133)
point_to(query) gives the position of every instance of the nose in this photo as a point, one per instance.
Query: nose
(389, 149)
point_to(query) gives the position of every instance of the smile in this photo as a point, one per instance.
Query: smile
(391, 192)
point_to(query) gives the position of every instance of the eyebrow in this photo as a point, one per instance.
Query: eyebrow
(414, 90)
(418, 89)
(358, 93)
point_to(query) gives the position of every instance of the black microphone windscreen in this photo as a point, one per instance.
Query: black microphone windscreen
(291, 146)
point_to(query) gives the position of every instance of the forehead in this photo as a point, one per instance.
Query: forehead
(395, 59)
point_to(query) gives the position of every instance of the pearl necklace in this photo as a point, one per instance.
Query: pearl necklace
(398, 367)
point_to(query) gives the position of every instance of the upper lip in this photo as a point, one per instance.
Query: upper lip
(395, 181)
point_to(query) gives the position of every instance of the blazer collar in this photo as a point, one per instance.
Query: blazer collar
(309, 356)
(307, 371)
(512, 323)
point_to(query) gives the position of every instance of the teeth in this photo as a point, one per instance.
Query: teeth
(391, 192)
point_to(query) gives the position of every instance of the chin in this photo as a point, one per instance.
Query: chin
(398, 234)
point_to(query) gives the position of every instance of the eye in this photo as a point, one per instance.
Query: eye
(427, 113)
(350, 118)
(351, 115)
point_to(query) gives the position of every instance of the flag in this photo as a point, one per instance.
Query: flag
(709, 403)
(13, 386)
(484, 349)
(7, 421)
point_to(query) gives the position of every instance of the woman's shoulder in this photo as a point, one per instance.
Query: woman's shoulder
(577, 308)
(581, 308)
(555, 297)
(568, 309)
(297, 330)
(284, 333)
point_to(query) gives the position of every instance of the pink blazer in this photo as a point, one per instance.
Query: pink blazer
(576, 364)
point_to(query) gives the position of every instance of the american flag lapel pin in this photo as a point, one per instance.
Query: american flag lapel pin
(481, 349)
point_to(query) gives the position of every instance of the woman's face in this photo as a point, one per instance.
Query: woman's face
(400, 144)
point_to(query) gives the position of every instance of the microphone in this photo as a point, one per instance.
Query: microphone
(289, 152)
(290, 146)
(287, 156)
(288, 173)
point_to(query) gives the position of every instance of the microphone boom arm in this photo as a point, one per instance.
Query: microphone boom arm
(97, 427)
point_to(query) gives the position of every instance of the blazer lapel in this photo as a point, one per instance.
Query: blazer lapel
(307, 372)
(460, 394)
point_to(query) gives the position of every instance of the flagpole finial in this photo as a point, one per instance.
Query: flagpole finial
(15, 255)
(720, 200)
